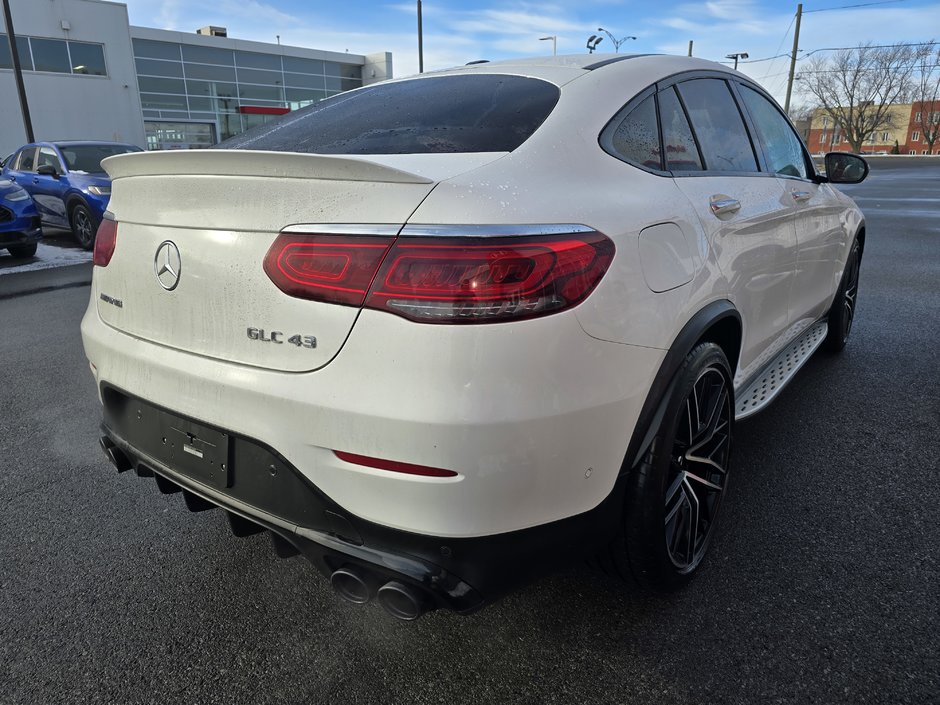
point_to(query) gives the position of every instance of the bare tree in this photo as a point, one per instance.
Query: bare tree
(857, 87)
(927, 94)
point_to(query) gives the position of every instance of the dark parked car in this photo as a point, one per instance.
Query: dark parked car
(66, 181)
(19, 220)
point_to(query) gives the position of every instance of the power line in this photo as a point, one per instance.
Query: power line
(847, 7)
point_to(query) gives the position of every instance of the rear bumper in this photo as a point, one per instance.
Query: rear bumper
(265, 492)
(534, 417)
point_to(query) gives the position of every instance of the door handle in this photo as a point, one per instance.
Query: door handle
(801, 195)
(723, 206)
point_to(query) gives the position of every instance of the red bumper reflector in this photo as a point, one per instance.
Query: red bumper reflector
(393, 465)
(105, 241)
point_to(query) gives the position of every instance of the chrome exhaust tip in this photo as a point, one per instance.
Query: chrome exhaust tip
(350, 586)
(401, 601)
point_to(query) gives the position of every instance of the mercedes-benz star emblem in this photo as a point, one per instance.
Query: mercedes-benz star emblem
(167, 265)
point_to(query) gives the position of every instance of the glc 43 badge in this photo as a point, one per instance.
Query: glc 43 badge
(276, 336)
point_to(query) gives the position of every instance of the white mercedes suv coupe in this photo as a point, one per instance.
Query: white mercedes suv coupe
(439, 334)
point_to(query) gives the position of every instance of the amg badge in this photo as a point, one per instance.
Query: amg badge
(276, 336)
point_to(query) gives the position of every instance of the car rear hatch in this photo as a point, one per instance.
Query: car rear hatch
(193, 230)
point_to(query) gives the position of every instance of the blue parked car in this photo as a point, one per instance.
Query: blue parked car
(19, 220)
(67, 182)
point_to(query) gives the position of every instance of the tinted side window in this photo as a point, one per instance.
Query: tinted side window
(483, 113)
(27, 160)
(681, 152)
(782, 149)
(48, 157)
(718, 125)
(636, 138)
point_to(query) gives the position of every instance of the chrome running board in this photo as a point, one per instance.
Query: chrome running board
(778, 373)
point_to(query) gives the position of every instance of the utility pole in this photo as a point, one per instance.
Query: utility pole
(18, 72)
(420, 41)
(690, 47)
(796, 46)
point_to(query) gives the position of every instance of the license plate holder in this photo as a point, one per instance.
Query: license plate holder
(193, 449)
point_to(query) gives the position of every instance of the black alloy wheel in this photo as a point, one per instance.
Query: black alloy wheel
(698, 472)
(83, 226)
(674, 494)
(842, 313)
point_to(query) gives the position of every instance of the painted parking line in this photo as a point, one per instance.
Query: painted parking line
(47, 257)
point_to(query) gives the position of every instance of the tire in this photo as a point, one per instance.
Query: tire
(665, 535)
(23, 251)
(842, 313)
(83, 225)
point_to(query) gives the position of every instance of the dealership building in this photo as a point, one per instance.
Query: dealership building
(90, 75)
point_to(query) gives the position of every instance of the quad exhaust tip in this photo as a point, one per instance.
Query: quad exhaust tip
(349, 585)
(402, 601)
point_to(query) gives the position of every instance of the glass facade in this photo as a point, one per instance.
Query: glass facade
(182, 83)
(54, 56)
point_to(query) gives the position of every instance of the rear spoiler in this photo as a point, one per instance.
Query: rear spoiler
(244, 162)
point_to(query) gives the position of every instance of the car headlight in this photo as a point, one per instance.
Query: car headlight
(100, 190)
(15, 193)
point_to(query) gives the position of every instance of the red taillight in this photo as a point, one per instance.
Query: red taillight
(333, 268)
(105, 240)
(393, 465)
(443, 280)
(464, 280)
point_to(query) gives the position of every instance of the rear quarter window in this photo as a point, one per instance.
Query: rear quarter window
(475, 113)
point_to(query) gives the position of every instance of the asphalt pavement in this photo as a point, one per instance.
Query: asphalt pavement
(822, 586)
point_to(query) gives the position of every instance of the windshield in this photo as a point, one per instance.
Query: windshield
(478, 113)
(87, 157)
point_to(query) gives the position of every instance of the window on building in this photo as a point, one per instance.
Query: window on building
(51, 55)
(884, 137)
(915, 136)
(925, 152)
(156, 50)
(208, 55)
(825, 122)
(912, 152)
(822, 138)
(917, 117)
(155, 67)
(87, 58)
(22, 50)
(253, 60)
(935, 118)
(718, 125)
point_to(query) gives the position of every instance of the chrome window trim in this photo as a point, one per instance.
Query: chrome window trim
(419, 230)
(437, 230)
(383, 229)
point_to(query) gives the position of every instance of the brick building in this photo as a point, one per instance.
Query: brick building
(903, 132)
(923, 116)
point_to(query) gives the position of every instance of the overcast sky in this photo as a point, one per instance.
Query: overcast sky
(458, 31)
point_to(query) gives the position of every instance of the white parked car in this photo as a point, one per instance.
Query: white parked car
(441, 333)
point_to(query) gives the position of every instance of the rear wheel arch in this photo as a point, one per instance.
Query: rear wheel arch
(718, 322)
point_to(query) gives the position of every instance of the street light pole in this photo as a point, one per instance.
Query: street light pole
(420, 41)
(740, 55)
(554, 43)
(617, 42)
(18, 72)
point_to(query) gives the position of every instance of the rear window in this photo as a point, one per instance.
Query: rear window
(482, 113)
(87, 157)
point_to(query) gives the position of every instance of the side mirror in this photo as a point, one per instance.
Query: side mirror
(48, 170)
(844, 168)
